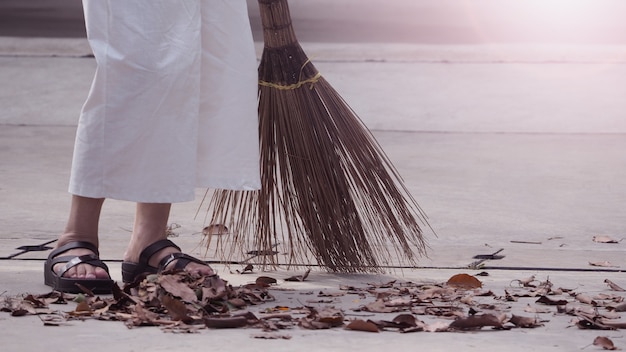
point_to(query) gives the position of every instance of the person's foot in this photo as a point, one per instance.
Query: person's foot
(80, 271)
(192, 267)
(160, 256)
(75, 266)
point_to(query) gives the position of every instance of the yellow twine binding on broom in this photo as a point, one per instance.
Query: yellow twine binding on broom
(311, 80)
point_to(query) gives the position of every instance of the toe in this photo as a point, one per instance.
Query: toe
(82, 270)
(100, 273)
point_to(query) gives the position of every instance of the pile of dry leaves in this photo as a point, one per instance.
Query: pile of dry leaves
(181, 302)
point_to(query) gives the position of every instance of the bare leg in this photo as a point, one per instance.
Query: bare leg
(151, 226)
(82, 225)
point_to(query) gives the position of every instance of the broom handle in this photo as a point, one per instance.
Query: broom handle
(277, 27)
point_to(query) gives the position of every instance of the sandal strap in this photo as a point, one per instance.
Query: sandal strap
(73, 245)
(152, 249)
(72, 261)
(130, 271)
(182, 260)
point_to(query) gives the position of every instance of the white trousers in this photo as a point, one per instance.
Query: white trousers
(173, 104)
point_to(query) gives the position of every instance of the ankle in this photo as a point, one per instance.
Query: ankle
(69, 236)
(139, 243)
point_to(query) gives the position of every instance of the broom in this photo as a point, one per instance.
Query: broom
(329, 193)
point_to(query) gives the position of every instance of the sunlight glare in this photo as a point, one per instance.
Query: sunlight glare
(564, 21)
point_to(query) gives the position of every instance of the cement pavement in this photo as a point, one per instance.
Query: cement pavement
(523, 154)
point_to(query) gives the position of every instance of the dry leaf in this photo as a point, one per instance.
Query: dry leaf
(402, 322)
(237, 302)
(83, 307)
(322, 319)
(36, 303)
(379, 306)
(468, 300)
(547, 301)
(526, 282)
(405, 320)
(464, 281)
(226, 322)
(509, 297)
(176, 309)
(604, 342)
(620, 308)
(476, 322)
(613, 286)
(172, 285)
(362, 325)
(445, 311)
(215, 229)
(19, 312)
(143, 316)
(87, 291)
(400, 302)
(586, 300)
(613, 324)
(524, 322)
(329, 315)
(604, 239)
(247, 269)
(537, 310)
(312, 324)
(299, 277)
(585, 322)
(437, 326)
(53, 320)
(272, 336)
(181, 328)
(611, 315)
(605, 264)
(330, 294)
(265, 281)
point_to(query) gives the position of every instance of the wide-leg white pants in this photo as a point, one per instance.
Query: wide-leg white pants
(173, 105)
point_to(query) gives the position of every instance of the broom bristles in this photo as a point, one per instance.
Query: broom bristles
(329, 193)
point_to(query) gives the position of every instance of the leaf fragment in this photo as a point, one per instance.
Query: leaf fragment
(464, 281)
(550, 302)
(176, 309)
(405, 320)
(272, 336)
(265, 281)
(83, 307)
(582, 298)
(379, 306)
(329, 315)
(225, 322)
(604, 264)
(537, 310)
(247, 269)
(362, 325)
(19, 312)
(526, 282)
(215, 229)
(299, 278)
(172, 285)
(620, 308)
(604, 342)
(613, 285)
(37, 303)
(604, 239)
(476, 322)
(524, 322)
